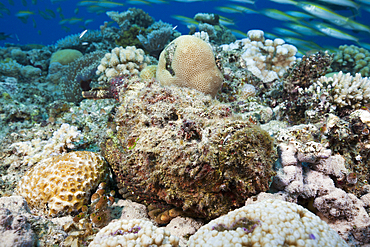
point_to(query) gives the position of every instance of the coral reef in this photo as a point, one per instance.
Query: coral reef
(180, 147)
(351, 59)
(122, 61)
(87, 42)
(15, 229)
(266, 59)
(327, 184)
(267, 223)
(345, 90)
(75, 77)
(210, 24)
(179, 65)
(36, 150)
(157, 36)
(62, 184)
(133, 232)
(130, 37)
(131, 17)
(65, 56)
(270, 123)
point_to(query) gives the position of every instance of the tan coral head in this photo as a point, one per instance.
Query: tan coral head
(189, 62)
(63, 183)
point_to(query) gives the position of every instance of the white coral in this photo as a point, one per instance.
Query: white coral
(345, 89)
(128, 61)
(267, 223)
(266, 59)
(37, 149)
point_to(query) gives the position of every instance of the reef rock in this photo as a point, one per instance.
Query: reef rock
(180, 147)
(15, 229)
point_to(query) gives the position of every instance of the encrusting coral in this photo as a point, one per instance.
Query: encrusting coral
(63, 184)
(267, 223)
(179, 64)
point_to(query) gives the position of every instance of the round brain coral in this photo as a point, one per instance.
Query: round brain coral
(189, 62)
(267, 223)
(63, 183)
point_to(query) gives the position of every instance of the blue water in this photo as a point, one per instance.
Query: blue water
(47, 32)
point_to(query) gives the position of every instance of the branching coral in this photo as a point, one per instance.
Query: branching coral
(210, 23)
(131, 17)
(345, 89)
(306, 71)
(159, 34)
(266, 59)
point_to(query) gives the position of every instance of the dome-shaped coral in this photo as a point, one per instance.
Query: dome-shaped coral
(189, 62)
(267, 223)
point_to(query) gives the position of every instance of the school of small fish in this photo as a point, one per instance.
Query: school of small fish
(330, 18)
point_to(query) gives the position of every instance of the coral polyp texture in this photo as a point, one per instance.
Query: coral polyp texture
(267, 223)
(122, 61)
(189, 62)
(177, 146)
(63, 183)
(136, 232)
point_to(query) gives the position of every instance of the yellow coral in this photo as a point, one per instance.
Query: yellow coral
(189, 62)
(148, 72)
(63, 183)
